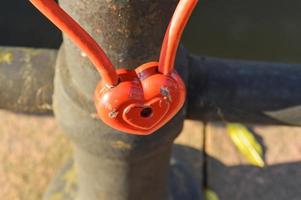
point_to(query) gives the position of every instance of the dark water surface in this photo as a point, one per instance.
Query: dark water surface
(249, 29)
(22, 25)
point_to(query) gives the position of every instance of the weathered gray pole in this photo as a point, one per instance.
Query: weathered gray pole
(110, 164)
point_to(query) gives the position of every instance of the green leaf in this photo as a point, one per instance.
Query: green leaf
(246, 143)
(210, 194)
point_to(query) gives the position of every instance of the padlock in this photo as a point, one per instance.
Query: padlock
(136, 101)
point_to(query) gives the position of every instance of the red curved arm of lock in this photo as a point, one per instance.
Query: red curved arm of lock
(145, 105)
(80, 37)
(97, 56)
(173, 35)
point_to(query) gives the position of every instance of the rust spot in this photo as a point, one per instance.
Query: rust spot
(113, 114)
(121, 145)
(165, 92)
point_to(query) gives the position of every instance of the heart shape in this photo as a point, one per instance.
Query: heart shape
(146, 116)
(142, 102)
(139, 101)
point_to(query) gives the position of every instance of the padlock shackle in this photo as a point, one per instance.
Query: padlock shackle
(95, 53)
(173, 35)
(80, 37)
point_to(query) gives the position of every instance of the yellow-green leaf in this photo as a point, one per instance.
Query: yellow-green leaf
(210, 194)
(246, 143)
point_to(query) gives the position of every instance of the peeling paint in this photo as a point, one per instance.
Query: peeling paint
(113, 114)
(165, 92)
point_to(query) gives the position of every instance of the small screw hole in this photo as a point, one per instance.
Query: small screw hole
(146, 112)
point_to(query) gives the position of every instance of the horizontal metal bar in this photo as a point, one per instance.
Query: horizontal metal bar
(244, 91)
(26, 79)
(238, 91)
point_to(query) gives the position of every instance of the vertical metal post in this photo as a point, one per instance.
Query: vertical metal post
(110, 164)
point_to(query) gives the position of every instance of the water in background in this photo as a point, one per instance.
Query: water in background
(244, 29)
(247, 29)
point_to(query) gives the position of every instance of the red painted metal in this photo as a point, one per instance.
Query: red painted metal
(174, 33)
(143, 101)
(80, 37)
(133, 101)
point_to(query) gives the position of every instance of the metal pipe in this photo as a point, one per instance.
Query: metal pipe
(241, 91)
(111, 164)
(244, 91)
(26, 79)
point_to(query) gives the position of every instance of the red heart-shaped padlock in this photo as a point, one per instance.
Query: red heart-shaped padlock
(136, 101)
(142, 102)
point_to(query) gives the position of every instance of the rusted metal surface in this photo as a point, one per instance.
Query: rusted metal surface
(244, 91)
(111, 164)
(26, 79)
(241, 91)
(130, 32)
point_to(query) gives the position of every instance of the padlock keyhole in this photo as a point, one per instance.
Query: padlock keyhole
(146, 112)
